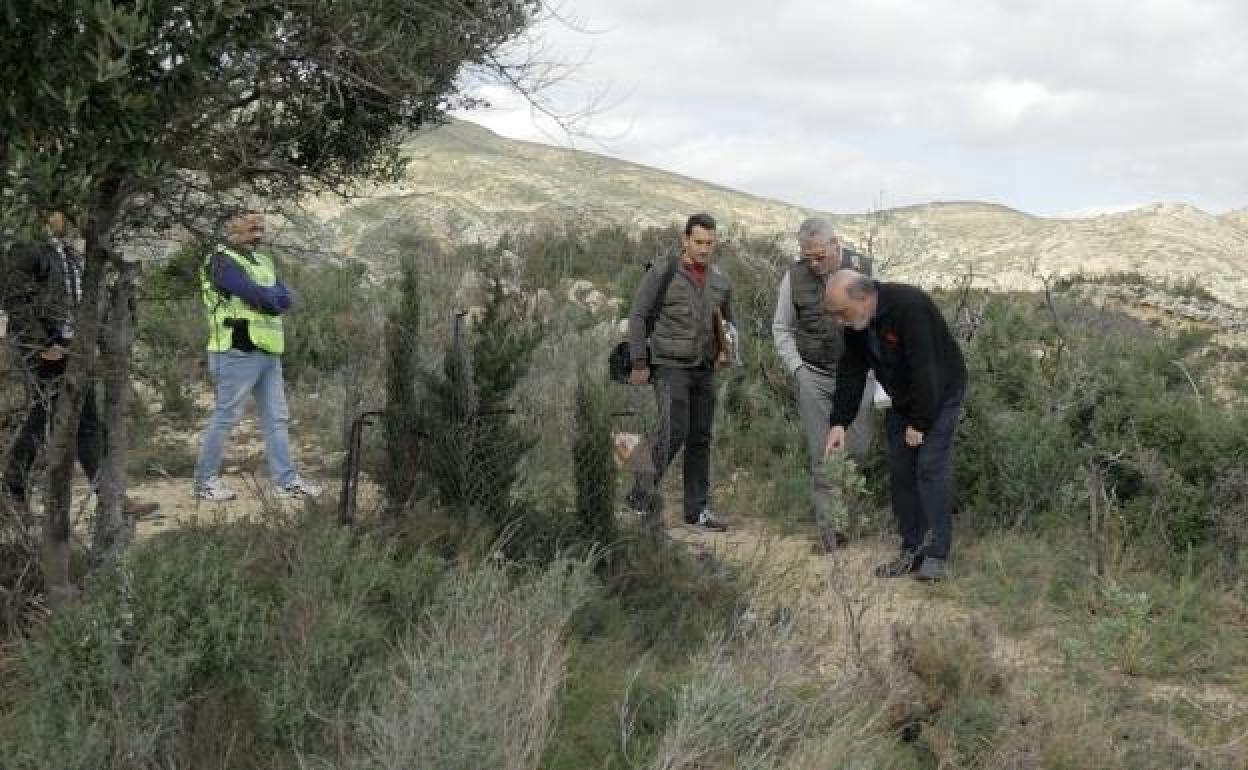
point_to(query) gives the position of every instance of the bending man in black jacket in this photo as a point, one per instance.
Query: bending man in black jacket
(899, 332)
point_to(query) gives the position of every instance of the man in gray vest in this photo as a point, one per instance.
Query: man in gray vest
(673, 329)
(810, 343)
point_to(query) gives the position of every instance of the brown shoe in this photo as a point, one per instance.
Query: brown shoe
(829, 542)
(136, 509)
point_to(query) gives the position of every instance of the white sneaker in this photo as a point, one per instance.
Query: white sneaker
(708, 520)
(297, 488)
(213, 490)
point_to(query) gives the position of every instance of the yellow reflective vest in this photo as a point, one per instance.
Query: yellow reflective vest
(225, 311)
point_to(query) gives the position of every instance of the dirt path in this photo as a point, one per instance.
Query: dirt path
(850, 612)
(178, 507)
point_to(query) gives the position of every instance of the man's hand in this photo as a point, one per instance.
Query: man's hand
(914, 438)
(639, 376)
(835, 442)
(53, 353)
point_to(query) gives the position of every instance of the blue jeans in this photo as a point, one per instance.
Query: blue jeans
(234, 375)
(921, 482)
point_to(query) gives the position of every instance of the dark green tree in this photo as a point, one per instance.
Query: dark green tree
(473, 443)
(138, 116)
(593, 464)
(401, 423)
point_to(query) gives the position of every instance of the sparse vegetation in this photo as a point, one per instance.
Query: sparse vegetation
(1186, 287)
(453, 636)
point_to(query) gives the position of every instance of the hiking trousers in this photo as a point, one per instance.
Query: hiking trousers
(685, 400)
(45, 384)
(921, 482)
(815, 391)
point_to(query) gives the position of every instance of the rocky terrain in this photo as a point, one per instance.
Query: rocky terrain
(465, 183)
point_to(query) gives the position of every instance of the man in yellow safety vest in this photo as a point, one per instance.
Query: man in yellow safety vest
(245, 303)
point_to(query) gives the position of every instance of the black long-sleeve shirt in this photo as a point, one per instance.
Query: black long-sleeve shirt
(915, 357)
(41, 287)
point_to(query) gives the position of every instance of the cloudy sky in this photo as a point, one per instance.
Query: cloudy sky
(1057, 107)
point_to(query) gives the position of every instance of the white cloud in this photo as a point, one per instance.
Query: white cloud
(1004, 106)
(1059, 106)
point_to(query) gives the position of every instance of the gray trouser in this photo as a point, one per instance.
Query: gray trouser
(815, 390)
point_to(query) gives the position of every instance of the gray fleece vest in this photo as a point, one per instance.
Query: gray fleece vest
(684, 332)
(820, 340)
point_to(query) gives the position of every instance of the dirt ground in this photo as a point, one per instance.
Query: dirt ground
(826, 591)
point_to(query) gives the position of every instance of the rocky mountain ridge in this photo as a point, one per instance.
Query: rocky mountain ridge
(465, 183)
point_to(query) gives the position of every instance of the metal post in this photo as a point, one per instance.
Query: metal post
(351, 473)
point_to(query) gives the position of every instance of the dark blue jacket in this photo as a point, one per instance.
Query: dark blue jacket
(229, 278)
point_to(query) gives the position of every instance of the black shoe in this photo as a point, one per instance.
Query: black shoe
(905, 563)
(707, 520)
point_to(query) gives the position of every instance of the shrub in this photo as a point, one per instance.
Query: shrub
(460, 440)
(593, 464)
(400, 473)
(256, 636)
(171, 332)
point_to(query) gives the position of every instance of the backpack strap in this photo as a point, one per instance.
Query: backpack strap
(856, 261)
(664, 282)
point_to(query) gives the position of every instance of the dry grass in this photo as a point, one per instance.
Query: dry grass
(477, 686)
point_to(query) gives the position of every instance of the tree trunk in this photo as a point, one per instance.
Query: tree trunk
(113, 531)
(62, 447)
(63, 444)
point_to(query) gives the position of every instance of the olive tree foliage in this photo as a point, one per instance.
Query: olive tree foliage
(137, 117)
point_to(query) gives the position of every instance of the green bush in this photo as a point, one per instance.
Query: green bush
(400, 471)
(171, 331)
(1058, 389)
(244, 634)
(328, 319)
(449, 432)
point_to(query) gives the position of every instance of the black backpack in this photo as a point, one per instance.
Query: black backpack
(620, 361)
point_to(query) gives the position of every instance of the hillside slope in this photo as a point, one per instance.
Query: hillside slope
(465, 183)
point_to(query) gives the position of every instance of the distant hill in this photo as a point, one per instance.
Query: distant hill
(465, 183)
(1237, 218)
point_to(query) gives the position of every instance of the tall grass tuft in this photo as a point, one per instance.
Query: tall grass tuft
(476, 685)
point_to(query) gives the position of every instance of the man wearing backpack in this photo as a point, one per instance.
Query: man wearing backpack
(673, 328)
(810, 344)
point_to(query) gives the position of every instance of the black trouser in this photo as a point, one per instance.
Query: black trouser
(921, 482)
(47, 381)
(686, 410)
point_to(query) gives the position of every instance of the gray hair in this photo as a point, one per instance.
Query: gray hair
(855, 285)
(859, 286)
(815, 229)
